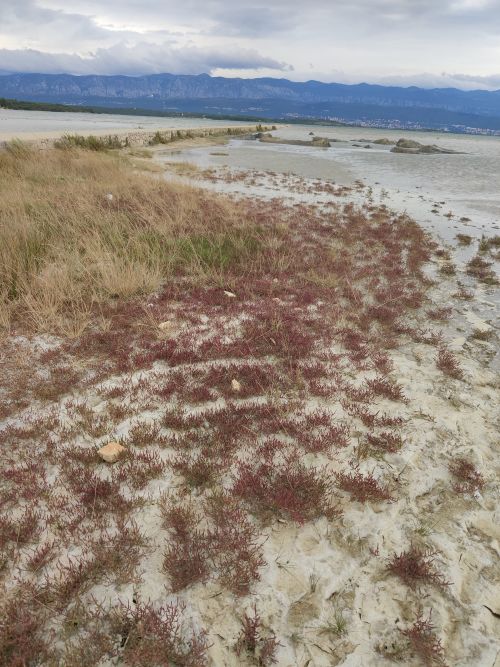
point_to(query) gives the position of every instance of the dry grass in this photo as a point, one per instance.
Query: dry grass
(77, 229)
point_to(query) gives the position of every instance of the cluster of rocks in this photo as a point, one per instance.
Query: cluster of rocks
(414, 147)
(404, 146)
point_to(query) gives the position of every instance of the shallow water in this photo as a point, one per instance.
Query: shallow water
(32, 124)
(468, 183)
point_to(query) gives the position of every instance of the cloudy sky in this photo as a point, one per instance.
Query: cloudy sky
(423, 42)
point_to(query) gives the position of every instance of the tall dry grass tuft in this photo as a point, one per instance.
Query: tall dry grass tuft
(78, 228)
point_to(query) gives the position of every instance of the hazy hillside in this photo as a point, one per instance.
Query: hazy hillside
(265, 96)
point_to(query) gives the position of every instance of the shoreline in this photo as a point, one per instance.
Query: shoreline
(133, 138)
(235, 176)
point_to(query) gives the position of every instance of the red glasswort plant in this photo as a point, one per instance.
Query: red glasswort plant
(253, 642)
(285, 487)
(424, 642)
(154, 636)
(416, 566)
(448, 363)
(468, 479)
(362, 487)
(227, 548)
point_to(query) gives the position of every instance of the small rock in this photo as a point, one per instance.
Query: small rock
(111, 452)
(109, 196)
(477, 322)
(322, 142)
(302, 612)
(457, 343)
(231, 295)
(235, 385)
(164, 326)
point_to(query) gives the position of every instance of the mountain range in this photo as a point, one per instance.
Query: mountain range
(386, 106)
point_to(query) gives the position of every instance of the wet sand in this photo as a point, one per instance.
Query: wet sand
(466, 182)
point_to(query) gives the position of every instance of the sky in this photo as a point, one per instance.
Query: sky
(431, 43)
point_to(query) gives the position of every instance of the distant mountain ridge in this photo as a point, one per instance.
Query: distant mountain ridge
(266, 96)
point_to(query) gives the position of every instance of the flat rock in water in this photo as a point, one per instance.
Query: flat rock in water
(318, 142)
(384, 142)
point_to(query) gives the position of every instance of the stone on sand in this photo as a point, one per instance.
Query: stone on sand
(111, 452)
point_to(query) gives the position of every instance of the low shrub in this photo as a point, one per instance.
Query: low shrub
(467, 478)
(362, 487)
(424, 642)
(448, 363)
(286, 488)
(90, 142)
(254, 642)
(416, 566)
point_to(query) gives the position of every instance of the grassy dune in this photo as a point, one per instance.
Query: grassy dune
(77, 229)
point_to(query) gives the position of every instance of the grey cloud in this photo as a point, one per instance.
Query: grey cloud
(276, 15)
(142, 58)
(39, 24)
(252, 21)
(474, 82)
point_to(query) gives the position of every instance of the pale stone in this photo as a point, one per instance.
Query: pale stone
(477, 322)
(235, 385)
(457, 343)
(302, 612)
(164, 326)
(111, 452)
(231, 295)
